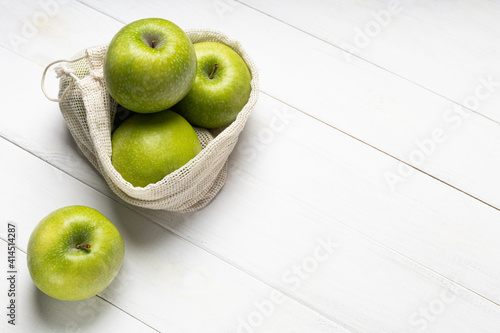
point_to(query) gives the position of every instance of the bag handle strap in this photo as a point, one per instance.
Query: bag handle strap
(60, 71)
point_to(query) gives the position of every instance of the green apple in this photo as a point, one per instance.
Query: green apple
(147, 147)
(150, 65)
(221, 89)
(74, 253)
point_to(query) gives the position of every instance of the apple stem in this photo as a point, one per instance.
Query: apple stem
(86, 246)
(211, 76)
(153, 43)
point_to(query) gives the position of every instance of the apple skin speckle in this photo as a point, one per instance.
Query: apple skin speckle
(146, 79)
(215, 102)
(147, 147)
(64, 272)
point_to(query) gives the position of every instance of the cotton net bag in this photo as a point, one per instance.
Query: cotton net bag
(89, 112)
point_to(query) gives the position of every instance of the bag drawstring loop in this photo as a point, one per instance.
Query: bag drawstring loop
(61, 71)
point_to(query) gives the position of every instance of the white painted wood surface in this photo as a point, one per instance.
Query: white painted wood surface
(337, 151)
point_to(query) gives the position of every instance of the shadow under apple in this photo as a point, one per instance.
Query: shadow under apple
(69, 316)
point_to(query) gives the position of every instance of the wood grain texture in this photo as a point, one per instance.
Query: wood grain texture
(36, 312)
(443, 46)
(183, 280)
(418, 258)
(264, 155)
(34, 30)
(165, 281)
(232, 237)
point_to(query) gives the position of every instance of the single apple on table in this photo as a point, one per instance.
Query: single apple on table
(150, 65)
(147, 147)
(74, 253)
(221, 89)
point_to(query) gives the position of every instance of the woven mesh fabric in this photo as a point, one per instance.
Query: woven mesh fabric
(89, 112)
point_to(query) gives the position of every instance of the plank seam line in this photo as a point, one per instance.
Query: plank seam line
(369, 62)
(385, 153)
(300, 301)
(442, 181)
(101, 12)
(311, 117)
(240, 267)
(98, 296)
(433, 274)
(336, 322)
(382, 68)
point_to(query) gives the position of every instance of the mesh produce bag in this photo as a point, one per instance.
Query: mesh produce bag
(89, 112)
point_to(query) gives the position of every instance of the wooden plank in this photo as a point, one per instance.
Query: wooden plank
(165, 281)
(53, 28)
(444, 47)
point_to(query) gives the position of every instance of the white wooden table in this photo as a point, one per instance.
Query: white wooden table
(363, 194)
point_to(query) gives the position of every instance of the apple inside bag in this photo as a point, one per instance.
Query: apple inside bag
(89, 112)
